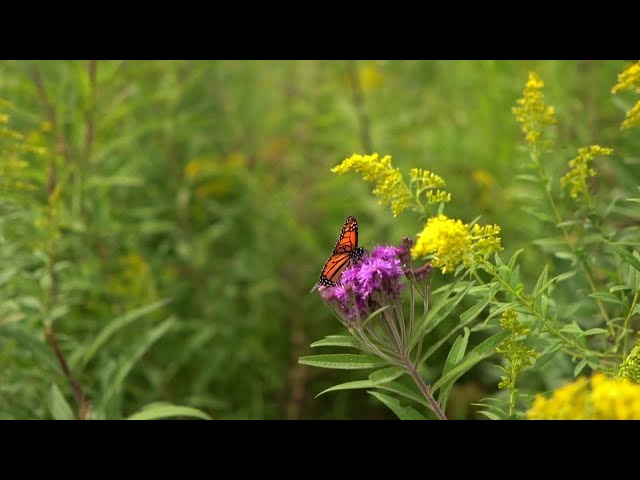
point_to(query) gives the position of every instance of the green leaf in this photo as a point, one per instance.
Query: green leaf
(579, 367)
(455, 356)
(524, 177)
(434, 317)
(337, 341)
(343, 361)
(167, 410)
(386, 375)
(406, 392)
(127, 361)
(464, 320)
(58, 406)
(606, 297)
(542, 280)
(617, 288)
(113, 327)
(557, 279)
(482, 351)
(632, 259)
(572, 328)
(546, 355)
(348, 386)
(474, 311)
(43, 355)
(514, 257)
(595, 331)
(403, 413)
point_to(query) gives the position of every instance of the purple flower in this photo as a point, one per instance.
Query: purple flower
(368, 285)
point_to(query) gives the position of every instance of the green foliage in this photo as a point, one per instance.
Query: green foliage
(162, 222)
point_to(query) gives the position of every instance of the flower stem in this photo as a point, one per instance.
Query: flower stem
(425, 390)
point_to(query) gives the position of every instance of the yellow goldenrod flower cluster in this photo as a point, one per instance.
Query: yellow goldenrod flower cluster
(453, 243)
(598, 398)
(425, 180)
(389, 185)
(519, 356)
(628, 80)
(532, 113)
(630, 368)
(579, 169)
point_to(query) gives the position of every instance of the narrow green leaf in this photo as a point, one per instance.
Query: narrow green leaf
(474, 311)
(630, 258)
(336, 341)
(595, 331)
(348, 386)
(43, 355)
(514, 257)
(58, 406)
(525, 177)
(455, 356)
(435, 317)
(406, 392)
(343, 361)
(482, 351)
(572, 328)
(113, 327)
(490, 415)
(579, 367)
(546, 355)
(127, 361)
(606, 297)
(557, 279)
(157, 411)
(542, 280)
(385, 375)
(403, 412)
(617, 288)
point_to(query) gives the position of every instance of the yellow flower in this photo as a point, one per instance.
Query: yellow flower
(389, 185)
(630, 368)
(579, 169)
(532, 113)
(370, 78)
(627, 80)
(599, 398)
(425, 180)
(453, 243)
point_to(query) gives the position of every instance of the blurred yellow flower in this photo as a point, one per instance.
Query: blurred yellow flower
(389, 185)
(370, 78)
(532, 113)
(598, 398)
(579, 169)
(215, 177)
(627, 80)
(453, 243)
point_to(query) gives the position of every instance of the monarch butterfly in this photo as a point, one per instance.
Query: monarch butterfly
(345, 254)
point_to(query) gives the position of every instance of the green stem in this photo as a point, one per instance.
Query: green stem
(627, 320)
(583, 265)
(425, 390)
(581, 351)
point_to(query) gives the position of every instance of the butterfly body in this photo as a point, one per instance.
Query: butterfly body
(345, 254)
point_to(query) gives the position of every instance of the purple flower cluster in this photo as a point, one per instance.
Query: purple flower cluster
(369, 284)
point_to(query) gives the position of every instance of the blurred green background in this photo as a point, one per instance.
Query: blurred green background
(208, 183)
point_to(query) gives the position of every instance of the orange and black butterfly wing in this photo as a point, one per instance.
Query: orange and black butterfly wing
(345, 253)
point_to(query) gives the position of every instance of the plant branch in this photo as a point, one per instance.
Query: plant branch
(425, 390)
(84, 406)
